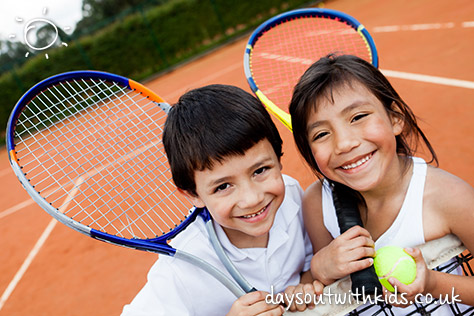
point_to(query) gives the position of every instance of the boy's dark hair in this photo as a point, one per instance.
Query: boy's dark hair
(331, 72)
(211, 123)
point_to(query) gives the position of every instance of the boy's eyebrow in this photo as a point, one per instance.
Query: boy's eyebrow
(218, 181)
(224, 179)
(261, 162)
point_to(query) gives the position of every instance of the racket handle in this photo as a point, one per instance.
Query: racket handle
(236, 275)
(364, 281)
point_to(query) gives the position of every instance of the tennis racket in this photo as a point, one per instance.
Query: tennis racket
(87, 148)
(363, 281)
(280, 50)
(278, 53)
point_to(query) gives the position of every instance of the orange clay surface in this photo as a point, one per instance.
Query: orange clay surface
(75, 275)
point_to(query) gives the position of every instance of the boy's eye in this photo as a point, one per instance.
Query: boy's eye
(221, 187)
(260, 170)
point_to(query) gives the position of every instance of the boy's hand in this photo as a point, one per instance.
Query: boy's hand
(253, 303)
(295, 295)
(406, 294)
(343, 255)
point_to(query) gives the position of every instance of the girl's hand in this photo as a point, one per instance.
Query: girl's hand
(253, 303)
(349, 252)
(297, 297)
(406, 295)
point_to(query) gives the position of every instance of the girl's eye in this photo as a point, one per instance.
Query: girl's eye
(222, 187)
(319, 135)
(359, 116)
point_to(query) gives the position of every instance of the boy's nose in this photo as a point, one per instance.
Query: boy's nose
(250, 196)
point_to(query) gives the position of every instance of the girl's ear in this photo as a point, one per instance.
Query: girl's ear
(397, 119)
(194, 198)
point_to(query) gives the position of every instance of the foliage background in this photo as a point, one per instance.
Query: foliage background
(132, 38)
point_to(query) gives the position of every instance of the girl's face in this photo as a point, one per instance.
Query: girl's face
(353, 140)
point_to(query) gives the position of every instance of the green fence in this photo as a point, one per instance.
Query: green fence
(142, 42)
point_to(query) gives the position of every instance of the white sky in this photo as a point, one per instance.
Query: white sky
(63, 13)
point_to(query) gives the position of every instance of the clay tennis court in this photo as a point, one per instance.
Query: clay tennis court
(49, 269)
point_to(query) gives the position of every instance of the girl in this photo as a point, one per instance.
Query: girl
(353, 128)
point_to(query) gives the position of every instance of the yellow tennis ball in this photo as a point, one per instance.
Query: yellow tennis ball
(392, 261)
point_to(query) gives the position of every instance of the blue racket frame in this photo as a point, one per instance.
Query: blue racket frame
(308, 12)
(158, 244)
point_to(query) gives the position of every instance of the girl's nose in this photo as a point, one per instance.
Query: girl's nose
(345, 141)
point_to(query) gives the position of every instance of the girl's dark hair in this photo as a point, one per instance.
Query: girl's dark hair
(211, 123)
(332, 72)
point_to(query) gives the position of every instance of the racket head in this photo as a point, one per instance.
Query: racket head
(281, 49)
(87, 147)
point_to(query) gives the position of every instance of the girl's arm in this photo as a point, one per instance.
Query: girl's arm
(454, 203)
(448, 209)
(333, 258)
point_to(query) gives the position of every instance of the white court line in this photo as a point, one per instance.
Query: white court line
(15, 208)
(39, 244)
(420, 27)
(429, 79)
(26, 264)
(31, 256)
(403, 75)
(5, 171)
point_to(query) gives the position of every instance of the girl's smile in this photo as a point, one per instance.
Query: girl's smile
(352, 137)
(353, 166)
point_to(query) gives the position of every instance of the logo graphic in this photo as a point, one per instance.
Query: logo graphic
(32, 24)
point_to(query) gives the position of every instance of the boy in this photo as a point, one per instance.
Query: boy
(224, 152)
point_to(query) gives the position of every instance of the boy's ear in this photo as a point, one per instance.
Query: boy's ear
(194, 198)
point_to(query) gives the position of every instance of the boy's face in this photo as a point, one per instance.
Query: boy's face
(243, 194)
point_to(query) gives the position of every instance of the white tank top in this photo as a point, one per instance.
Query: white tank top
(405, 231)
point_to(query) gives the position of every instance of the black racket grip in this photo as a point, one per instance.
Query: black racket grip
(364, 282)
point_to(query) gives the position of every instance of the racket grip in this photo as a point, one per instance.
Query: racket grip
(364, 282)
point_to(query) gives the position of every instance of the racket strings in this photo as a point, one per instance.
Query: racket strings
(131, 206)
(110, 172)
(136, 203)
(112, 197)
(70, 132)
(57, 115)
(282, 53)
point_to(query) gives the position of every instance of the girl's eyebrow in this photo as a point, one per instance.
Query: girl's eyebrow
(352, 106)
(345, 111)
(314, 125)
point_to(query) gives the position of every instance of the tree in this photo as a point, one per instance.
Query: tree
(95, 12)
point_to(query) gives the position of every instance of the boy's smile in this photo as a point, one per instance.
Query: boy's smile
(353, 139)
(243, 194)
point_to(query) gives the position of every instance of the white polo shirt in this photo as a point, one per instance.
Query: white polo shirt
(175, 287)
